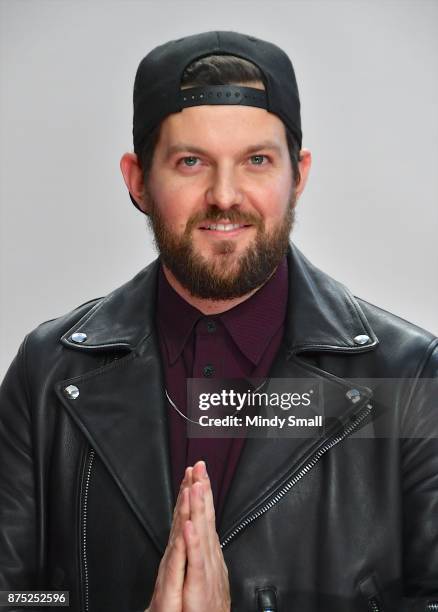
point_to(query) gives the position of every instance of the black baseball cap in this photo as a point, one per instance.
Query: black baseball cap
(157, 86)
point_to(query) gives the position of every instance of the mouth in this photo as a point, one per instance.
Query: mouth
(224, 229)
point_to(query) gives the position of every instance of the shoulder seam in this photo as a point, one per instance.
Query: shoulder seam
(430, 349)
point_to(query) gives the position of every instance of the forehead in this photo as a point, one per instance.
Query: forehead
(222, 127)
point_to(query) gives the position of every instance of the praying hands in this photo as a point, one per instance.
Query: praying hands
(192, 575)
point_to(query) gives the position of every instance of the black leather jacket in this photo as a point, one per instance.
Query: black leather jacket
(339, 523)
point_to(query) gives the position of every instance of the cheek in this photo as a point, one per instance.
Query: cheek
(176, 204)
(273, 204)
(171, 189)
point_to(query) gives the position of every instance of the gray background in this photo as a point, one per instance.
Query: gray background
(367, 72)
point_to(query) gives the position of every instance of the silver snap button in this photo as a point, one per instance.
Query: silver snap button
(361, 339)
(72, 392)
(79, 337)
(353, 395)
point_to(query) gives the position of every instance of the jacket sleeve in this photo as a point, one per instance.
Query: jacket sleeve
(419, 447)
(18, 514)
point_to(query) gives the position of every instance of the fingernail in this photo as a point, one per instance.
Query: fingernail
(204, 469)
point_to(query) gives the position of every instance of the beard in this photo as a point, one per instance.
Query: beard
(228, 276)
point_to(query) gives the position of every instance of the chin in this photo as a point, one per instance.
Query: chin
(227, 249)
(222, 263)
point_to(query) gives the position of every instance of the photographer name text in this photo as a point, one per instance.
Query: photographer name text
(258, 421)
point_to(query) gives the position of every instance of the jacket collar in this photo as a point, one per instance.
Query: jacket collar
(322, 314)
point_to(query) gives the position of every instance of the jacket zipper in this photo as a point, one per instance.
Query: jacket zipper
(360, 416)
(373, 605)
(88, 466)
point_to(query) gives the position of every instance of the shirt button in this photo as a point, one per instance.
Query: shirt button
(208, 370)
(211, 326)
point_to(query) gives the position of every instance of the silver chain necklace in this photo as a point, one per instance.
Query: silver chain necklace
(172, 403)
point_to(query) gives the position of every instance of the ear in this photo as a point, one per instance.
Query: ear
(304, 166)
(133, 177)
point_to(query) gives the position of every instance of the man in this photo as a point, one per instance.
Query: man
(105, 494)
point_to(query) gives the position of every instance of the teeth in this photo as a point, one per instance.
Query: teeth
(224, 228)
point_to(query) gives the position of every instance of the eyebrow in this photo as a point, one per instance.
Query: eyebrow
(180, 147)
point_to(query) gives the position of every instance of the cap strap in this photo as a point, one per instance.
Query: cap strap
(223, 94)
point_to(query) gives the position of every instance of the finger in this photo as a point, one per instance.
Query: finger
(174, 565)
(199, 520)
(184, 483)
(181, 511)
(195, 558)
(169, 585)
(189, 475)
(175, 555)
(199, 471)
(187, 482)
(200, 474)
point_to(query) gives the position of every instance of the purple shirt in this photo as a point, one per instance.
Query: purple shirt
(241, 342)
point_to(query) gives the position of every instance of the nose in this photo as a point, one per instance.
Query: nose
(224, 191)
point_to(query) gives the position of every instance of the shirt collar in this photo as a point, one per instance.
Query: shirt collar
(176, 317)
(251, 324)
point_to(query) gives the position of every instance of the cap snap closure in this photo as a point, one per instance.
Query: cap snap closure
(79, 337)
(361, 339)
(72, 392)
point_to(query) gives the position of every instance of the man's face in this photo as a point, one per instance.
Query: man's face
(220, 198)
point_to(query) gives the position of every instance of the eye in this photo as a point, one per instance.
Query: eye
(257, 160)
(189, 160)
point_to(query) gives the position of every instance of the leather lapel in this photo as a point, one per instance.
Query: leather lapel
(121, 411)
(266, 464)
(120, 407)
